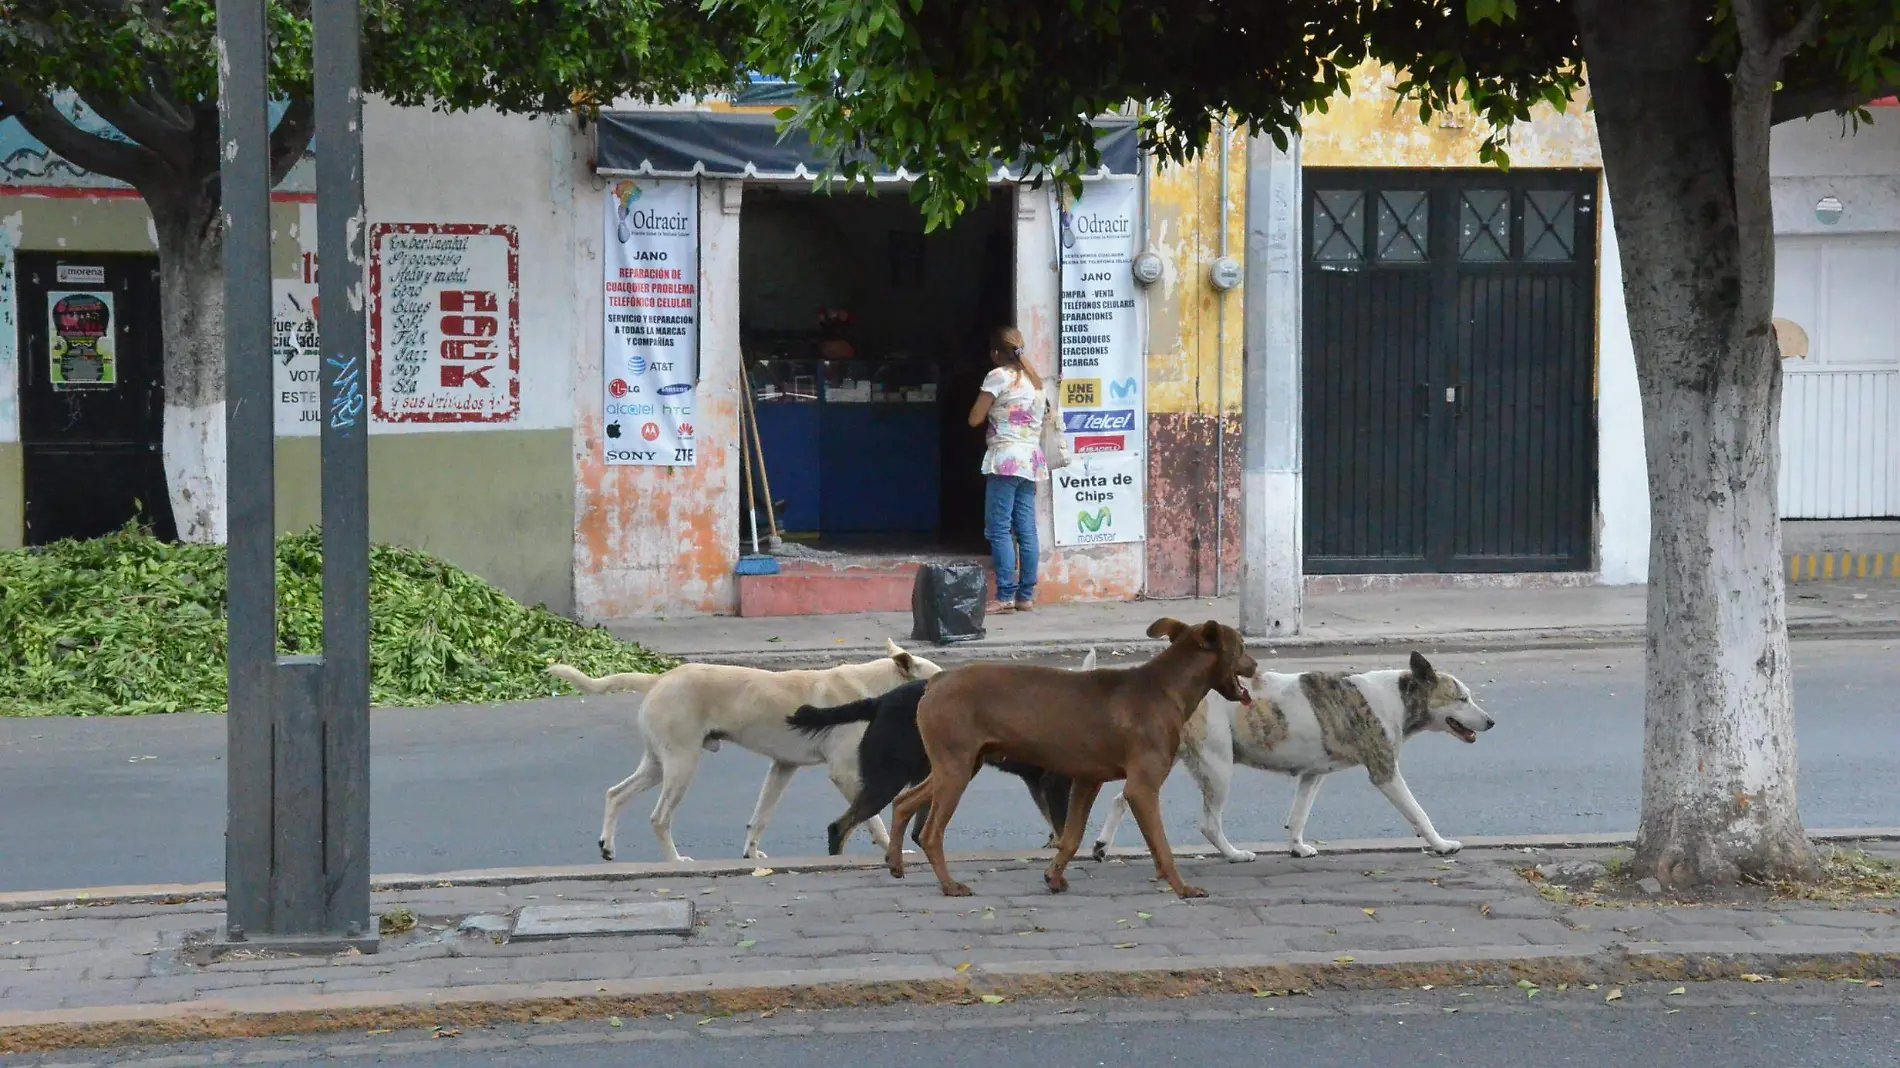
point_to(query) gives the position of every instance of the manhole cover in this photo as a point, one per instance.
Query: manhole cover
(604, 918)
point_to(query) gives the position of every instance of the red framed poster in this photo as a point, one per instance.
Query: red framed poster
(444, 323)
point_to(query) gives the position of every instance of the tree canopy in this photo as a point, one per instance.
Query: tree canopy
(940, 87)
(148, 68)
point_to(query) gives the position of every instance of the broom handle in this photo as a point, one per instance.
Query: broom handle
(771, 513)
(745, 486)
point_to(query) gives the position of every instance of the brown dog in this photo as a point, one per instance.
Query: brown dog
(1091, 727)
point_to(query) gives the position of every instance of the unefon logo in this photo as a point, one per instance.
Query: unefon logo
(675, 389)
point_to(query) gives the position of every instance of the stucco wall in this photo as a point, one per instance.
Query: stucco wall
(1194, 377)
(658, 540)
(497, 498)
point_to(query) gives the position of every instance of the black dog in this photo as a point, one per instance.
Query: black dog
(891, 759)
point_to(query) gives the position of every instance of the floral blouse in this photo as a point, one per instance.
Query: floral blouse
(1014, 433)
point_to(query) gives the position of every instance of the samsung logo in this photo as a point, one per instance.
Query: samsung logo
(675, 389)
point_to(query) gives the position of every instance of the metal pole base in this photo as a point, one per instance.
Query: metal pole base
(364, 938)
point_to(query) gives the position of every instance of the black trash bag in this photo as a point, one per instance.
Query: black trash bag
(946, 603)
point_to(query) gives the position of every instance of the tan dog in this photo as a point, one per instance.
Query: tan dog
(1090, 727)
(697, 706)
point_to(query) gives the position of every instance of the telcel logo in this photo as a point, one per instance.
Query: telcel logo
(1117, 421)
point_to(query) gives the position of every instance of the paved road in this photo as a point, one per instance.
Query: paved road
(1710, 1026)
(113, 801)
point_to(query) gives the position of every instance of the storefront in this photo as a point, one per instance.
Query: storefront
(858, 348)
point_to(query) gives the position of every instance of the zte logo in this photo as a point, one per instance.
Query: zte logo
(1110, 422)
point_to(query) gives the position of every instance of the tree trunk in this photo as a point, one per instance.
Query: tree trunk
(1719, 747)
(191, 282)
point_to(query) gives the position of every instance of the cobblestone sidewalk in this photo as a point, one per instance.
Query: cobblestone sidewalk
(1340, 914)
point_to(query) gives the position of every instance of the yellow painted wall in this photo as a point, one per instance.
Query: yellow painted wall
(1195, 333)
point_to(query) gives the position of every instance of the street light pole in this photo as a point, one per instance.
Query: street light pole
(297, 835)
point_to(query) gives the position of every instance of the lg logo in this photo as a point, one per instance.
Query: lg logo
(619, 388)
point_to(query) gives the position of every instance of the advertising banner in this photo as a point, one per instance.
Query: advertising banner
(1098, 500)
(445, 323)
(1102, 374)
(650, 366)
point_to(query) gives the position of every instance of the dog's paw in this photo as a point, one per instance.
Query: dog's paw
(606, 851)
(1100, 852)
(1057, 882)
(957, 890)
(755, 853)
(1191, 891)
(1301, 849)
(1445, 847)
(1240, 856)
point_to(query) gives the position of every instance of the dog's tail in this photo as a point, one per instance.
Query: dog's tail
(635, 681)
(810, 719)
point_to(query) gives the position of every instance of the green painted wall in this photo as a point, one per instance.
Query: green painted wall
(497, 502)
(12, 497)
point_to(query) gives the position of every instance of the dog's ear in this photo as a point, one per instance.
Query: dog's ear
(906, 663)
(1166, 627)
(1088, 662)
(1207, 635)
(1422, 669)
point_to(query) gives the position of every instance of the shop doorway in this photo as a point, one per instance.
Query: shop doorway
(92, 395)
(865, 339)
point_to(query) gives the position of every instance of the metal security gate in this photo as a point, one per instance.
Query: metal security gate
(1450, 347)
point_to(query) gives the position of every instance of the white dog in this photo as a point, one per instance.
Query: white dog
(697, 706)
(1310, 725)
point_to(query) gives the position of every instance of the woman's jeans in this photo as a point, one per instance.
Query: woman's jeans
(1009, 521)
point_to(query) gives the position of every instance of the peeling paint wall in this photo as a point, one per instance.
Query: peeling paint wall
(1194, 374)
(1194, 377)
(659, 540)
(1370, 128)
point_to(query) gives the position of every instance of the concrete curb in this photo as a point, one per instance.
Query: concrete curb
(181, 893)
(1499, 641)
(837, 988)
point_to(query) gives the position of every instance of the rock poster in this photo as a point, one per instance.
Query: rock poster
(1103, 411)
(444, 323)
(650, 363)
(81, 347)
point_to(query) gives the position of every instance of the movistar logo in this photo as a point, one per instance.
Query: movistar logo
(1089, 524)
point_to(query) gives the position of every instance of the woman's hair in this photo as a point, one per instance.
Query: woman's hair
(1007, 341)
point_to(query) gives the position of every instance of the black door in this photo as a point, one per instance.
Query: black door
(92, 399)
(1450, 356)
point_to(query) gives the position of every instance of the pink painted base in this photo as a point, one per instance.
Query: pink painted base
(806, 589)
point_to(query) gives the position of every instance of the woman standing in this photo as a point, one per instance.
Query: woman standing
(1013, 405)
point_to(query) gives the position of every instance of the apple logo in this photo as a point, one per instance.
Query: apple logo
(613, 430)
